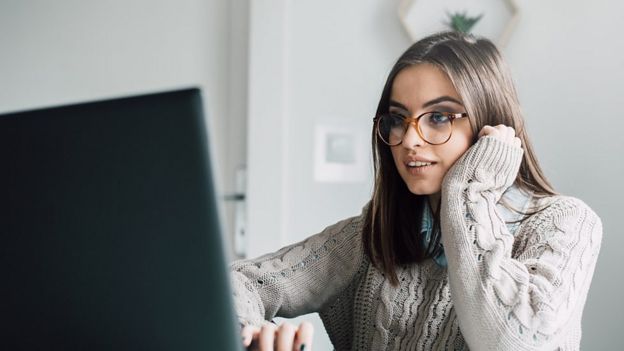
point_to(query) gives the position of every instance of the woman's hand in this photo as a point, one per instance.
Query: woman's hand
(502, 132)
(477, 163)
(286, 337)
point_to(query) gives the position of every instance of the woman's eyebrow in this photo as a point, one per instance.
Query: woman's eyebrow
(428, 103)
(441, 99)
(398, 104)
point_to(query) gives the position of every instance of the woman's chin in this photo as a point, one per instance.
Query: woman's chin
(423, 190)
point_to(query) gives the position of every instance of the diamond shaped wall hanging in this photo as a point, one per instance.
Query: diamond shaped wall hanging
(493, 19)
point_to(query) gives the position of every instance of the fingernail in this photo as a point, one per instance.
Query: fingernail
(302, 348)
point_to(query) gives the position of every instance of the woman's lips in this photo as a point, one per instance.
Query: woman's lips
(420, 170)
(409, 159)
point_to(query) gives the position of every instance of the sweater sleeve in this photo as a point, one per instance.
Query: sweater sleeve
(532, 298)
(300, 278)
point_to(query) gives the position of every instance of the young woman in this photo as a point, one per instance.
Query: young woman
(464, 244)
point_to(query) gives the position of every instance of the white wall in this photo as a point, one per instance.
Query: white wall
(325, 61)
(67, 51)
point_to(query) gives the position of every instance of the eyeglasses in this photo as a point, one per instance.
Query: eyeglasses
(433, 127)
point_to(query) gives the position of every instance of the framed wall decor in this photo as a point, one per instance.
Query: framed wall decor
(340, 154)
(495, 19)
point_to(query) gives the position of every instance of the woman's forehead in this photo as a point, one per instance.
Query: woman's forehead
(418, 84)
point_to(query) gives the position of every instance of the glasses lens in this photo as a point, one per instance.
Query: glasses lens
(391, 128)
(435, 127)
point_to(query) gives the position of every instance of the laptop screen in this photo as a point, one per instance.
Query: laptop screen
(110, 230)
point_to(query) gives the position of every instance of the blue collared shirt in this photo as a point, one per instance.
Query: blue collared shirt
(426, 230)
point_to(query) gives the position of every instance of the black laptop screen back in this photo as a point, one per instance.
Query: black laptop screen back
(110, 233)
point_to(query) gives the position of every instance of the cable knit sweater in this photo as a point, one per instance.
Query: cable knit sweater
(500, 291)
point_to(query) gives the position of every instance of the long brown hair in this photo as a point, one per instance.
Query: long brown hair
(391, 232)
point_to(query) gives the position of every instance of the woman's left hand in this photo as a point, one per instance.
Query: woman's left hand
(502, 132)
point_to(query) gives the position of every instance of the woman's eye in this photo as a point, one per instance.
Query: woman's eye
(439, 118)
(397, 118)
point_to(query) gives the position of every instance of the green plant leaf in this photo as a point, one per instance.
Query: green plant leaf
(461, 22)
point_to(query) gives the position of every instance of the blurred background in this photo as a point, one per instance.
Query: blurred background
(291, 86)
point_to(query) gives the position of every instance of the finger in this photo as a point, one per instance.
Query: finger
(303, 341)
(486, 130)
(247, 334)
(511, 135)
(285, 337)
(503, 132)
(267, 337)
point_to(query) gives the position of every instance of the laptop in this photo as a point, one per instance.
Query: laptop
(110, 229)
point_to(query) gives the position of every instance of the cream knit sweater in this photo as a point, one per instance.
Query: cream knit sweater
(500, 291)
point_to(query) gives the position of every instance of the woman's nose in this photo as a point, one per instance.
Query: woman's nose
(412, 138)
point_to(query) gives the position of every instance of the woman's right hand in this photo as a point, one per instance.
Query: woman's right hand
(285, 337)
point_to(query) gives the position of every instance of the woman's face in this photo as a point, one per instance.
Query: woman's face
(418, 89)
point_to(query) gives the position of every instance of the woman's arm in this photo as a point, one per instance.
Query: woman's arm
(299, 278)
(513, 303)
